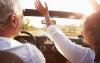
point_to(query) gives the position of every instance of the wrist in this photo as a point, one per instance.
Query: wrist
(48, 20)
(46, 14)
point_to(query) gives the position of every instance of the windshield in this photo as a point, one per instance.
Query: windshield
(71, 27)
(68, 26)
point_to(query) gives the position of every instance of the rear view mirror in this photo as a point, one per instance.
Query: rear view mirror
(44, 22)
(80, 36)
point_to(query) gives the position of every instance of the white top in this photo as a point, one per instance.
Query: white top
(73, 52)
(28, 52)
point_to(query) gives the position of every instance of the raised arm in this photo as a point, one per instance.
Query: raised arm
(73, 52)
(44, 11)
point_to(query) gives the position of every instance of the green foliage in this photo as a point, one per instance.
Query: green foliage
(26, 26)
(70, 30)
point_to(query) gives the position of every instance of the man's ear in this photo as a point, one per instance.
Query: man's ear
(13, 20)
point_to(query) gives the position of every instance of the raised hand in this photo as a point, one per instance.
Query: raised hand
(42, 9)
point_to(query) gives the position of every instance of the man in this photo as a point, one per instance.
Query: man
(73, 52)
(11, 16)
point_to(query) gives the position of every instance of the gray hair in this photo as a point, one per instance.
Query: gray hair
(8, 7)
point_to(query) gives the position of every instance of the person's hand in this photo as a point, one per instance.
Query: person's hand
(44, 11)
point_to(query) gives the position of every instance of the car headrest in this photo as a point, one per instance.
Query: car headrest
(8, 57)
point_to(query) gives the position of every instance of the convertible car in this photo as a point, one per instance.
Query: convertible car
(66, 16)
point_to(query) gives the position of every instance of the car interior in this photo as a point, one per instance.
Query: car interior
(8, 57)
(66, 15)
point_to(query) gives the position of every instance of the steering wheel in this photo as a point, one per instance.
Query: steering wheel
(26, 37)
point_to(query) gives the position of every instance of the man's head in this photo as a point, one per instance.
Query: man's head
(10, 17)
(91, 30)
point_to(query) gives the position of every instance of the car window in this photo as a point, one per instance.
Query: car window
(71, 27)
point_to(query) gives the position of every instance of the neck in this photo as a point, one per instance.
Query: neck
(5, 34)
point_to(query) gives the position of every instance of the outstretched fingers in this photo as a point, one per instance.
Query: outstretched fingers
(39, 3)
(42, 9)
(36, 6)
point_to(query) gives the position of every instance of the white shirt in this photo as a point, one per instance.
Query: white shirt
(28, 52)
(73, 52)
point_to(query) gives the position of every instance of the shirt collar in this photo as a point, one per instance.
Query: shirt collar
(6, 43)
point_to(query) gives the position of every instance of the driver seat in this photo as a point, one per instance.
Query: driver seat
(8, 57)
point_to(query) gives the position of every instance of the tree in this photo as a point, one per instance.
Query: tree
(26, 26)
(71, 30)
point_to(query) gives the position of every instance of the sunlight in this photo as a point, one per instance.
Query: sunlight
(98, 1)
(79, 6)
(36, 21)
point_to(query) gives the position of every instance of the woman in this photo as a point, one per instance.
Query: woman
(73, 52)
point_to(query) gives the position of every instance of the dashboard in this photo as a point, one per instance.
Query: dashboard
(48, 49)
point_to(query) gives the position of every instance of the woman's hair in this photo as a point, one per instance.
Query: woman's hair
(92, 25)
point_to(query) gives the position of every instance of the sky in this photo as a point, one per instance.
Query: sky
(79, 6)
